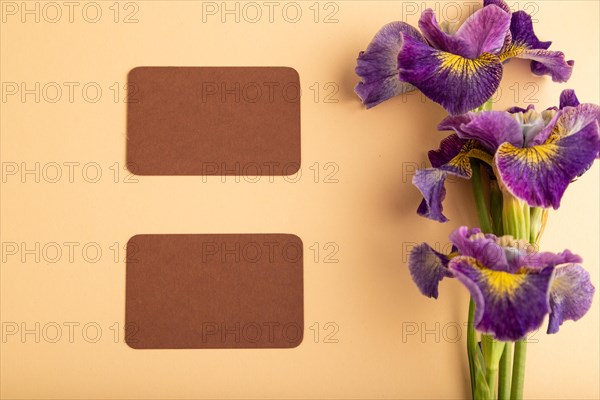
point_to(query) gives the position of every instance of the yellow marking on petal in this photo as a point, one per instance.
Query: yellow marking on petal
(536, 155)
(514, 50)
(462, 161)
(501, 282)
(459, 65)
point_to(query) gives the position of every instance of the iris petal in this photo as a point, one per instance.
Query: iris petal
(521, 29)
(568, 99)
(490, 128)
(448, 160)
(484, 31)
(449, 148)
(459, 84)
(437, 37)
(485, 248)
(531, 258)
(540, 174)
(430, 182)
(507, 305)
(547, 62)
(571, 294)
(573, 119)
(427, 268)
(378, 65)
(525, 44)
(499, 3)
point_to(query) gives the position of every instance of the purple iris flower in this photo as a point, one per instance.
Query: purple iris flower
(513, 287)
(460, 70)
(534, 155)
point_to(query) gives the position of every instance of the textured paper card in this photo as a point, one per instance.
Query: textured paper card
(213, 121)
(214, 291)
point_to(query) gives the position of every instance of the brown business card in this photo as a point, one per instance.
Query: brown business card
(213, 121)
(196, 291)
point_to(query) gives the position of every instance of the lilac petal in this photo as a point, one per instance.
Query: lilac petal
(453, 122)
(378, 65)
(483, 247)
(546, 62)
(537, 128)
(430, 183)
(438, 38)
(507, 305)
(568, 121)
(530, 258)
(571, 294)
(427, 268)
(484, 31)
(450, 147)
(573, 119)
(490, 128)
(457, 83)
(540, 174)
(568, 99)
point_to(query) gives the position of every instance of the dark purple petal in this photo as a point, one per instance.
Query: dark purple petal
(507, 305)
(378, 65)
(460, 165)
(430, 183)
(571, 294)
(484, 31)
(490, 128)
(457, 83)
(452, 158)
(540, 174)
(427, 268)
(498, 3)
(521, 29)
(568, 99)
(449, 148)
(517, 109)
(484, 248)
(525, 44)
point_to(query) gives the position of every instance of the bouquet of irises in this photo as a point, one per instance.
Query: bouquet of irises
(520, 162)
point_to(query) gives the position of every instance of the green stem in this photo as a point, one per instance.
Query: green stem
(490, 377)
(537, 220)
(492, 353)
(496, 208)
(503, 375)
(482, 209)
(518, 375)
(517, 222)
(505, 360)
(471, 345)
(492, 349)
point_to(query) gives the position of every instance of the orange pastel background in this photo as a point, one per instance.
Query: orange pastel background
(369, 333)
